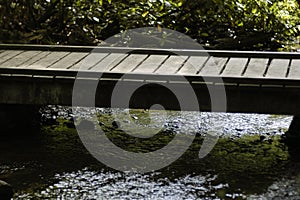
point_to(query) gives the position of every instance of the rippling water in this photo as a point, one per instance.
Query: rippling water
(62, 169)
(86, 184)
(229, 124)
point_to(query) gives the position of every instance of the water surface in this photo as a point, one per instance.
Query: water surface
(248, 162)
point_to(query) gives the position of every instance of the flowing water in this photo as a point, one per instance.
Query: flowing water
(249, 160)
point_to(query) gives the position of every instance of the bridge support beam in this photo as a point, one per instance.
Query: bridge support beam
(294, 129)
(18, 119)
(292, 138)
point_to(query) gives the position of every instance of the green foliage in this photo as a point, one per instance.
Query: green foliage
(231, 24)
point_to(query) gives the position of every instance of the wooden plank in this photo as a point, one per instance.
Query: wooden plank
(151, 64)
(4, 56)
(48, 60)
(294, 69)
(89, 61)
(235, 67)
(130, 63)
(109, 62)
(278, 68)
(213, 66)
(19, 59)
(69, 60)
(3, 53)
(34, 59)
(193, 65)
(256, 67)
(171, 65)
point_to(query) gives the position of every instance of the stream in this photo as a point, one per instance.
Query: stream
(249, 161)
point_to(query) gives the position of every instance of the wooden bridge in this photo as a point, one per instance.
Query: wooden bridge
(256, 82)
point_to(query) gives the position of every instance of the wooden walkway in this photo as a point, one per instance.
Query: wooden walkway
(256, 82)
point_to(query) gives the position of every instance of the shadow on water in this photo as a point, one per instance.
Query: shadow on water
(48, 161)
(30, 160)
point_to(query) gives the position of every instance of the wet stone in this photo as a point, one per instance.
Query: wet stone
(116, 124)
(274, 187)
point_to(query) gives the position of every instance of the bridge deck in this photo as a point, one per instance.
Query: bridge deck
(262, 82)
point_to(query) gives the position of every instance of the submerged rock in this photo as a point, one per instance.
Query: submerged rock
(116, 124)
(6, 191)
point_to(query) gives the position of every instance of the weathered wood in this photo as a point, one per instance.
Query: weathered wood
(256, 67)
(69, 60)
(34, 59)
(294, 69)
(193, 65)
(4, 53)
(235, 67)
(88, 62)
(213, 66)
(48, 77)
(20, 59)
(40, 91)
(109, 62)
(49, 60)
(150, 64)
(278, 68)
(129, 63)
(171, 65)
(4, 56)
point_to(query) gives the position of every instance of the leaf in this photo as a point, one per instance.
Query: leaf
(159, 28)
(145, 14)
(96, 19)
(13, 5)
(240, 24)
(254, 10)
